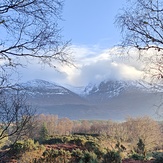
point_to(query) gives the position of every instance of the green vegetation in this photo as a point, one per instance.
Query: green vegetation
(158, 157)
(88, 141)
(112, 157)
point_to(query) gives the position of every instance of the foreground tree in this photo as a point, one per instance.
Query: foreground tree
(142, 28)
(146, 129)
(141, 24)
(15, 116)
(30, 29)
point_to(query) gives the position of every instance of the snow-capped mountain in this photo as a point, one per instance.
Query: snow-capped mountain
(104, 100)
(109, 89)
(43, 93)
(41, 86)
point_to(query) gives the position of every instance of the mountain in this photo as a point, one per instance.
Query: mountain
(105, 100)
(121, 99)
(42, 92)
(106, 89)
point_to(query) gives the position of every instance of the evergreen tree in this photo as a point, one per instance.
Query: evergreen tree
(43, 132)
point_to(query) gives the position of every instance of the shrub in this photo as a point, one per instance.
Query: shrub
(91, 146)
(137, 156)
(53, 141)
(29, 145)
(55, 155)
(79, 141)
(141, 147)
(158, 157)
(89, 157)
(77, 154)
(17, 147)
(112, 157)
(4, 142)
(24, 145)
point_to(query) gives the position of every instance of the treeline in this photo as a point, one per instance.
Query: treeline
(149, 130)
(54, 139)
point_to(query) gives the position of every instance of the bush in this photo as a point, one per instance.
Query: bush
(24, 145)
(17, 147)
(91, 146)
(79, 141)
(55, 155)
(29, 145)
(53, 141)
(89, 157)
(136, 156)
(112, 157)
(158, 157)
(77, 154)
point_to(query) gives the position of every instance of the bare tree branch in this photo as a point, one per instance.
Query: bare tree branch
(142, 28)
(141, 25)
(15, 114)
(31, 30)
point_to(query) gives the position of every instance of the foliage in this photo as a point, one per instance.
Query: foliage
(89, 157)
(141, 148)
(94, 147)
(120, 147)
(158, 157)
(22, 146)
(4, 141)
(30, 30)
(145, 128)
(77, 154)
(112, 157)
(43, 133)
(80, 141)
(137, 156)
(87, 148)
(55, 155)
(16, 116)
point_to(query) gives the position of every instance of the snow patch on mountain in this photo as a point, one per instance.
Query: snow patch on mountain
(113, 88)
(39, 83)
(38, 86)
(107, 88)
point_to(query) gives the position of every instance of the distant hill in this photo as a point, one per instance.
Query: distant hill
(106, 100)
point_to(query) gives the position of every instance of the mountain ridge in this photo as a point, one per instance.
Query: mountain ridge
(105, 100)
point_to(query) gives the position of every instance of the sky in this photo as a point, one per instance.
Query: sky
(89, 24)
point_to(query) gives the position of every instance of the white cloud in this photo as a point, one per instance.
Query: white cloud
(34, 70)
(93, 65)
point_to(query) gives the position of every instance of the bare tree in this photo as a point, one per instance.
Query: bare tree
(141, 24)
(29, 28)
(15, 115)
(145, 128)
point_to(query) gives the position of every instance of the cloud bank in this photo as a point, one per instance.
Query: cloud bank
(92, 65)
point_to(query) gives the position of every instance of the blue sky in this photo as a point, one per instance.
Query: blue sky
(89, 24)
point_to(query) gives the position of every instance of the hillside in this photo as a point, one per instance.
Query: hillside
(106, 100)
